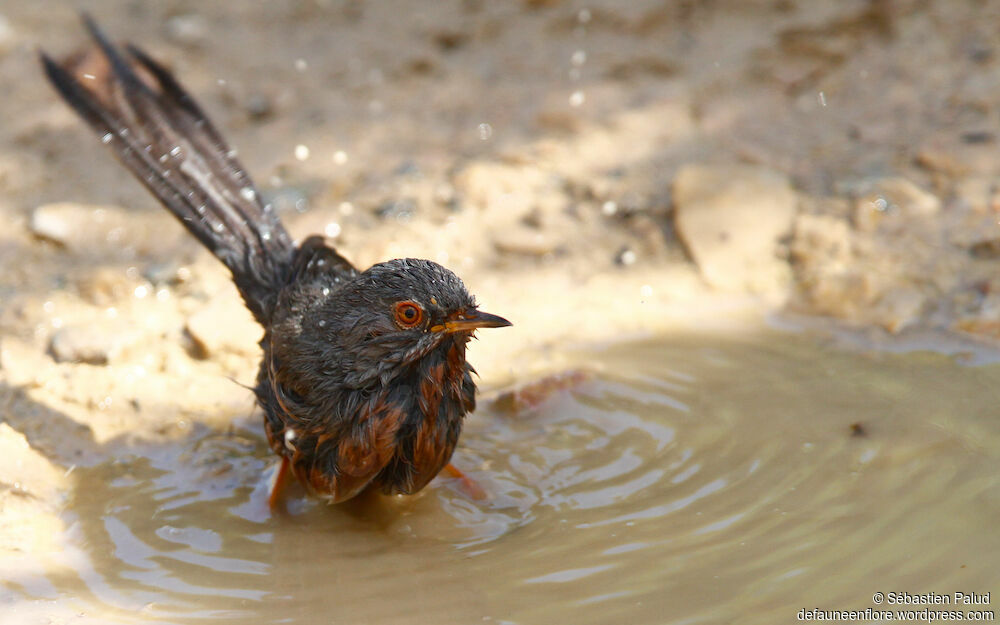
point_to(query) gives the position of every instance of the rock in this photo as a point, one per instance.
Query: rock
(25, 470)
(224, 326)
(93, 344)
(23, 364)
(31, 498)
(731, 220)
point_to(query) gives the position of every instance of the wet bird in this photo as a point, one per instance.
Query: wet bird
(364, 382)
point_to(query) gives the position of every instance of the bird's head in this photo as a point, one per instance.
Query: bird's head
(396, 313)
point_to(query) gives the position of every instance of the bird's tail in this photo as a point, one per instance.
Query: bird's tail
(162, 136)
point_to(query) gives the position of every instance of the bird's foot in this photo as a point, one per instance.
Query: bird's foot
(468, 485)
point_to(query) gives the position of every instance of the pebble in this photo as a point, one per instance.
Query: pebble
(104, 286)
(7, 36)
(189, 29)
(519, 239)
(103, 230)
(731, 219)
(899, 308)
(502, 188)
(93, 344)
(625, 257)
(401, 210)
(258, 106)
(893, 197)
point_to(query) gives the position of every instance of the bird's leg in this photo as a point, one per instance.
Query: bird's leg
(468, 485)
(278, 483)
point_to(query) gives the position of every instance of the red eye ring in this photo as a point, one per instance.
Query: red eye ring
(408, 314)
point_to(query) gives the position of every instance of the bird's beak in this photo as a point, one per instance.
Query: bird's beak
(470, 319)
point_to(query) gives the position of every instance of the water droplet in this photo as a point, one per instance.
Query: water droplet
(218, 227)
(107, 137)
(346, 208)
(822, 98)
(231, 154)
(609, 208)
(326, 291)
(576, 99)
(340, 157)
(265, 235)
(579, 58)
(248, 194)
(301, 65)
(485, 131)
(646, 290)
(301, 152)
(141, 291)
(332, 230)
(321, 323)
(583, 16)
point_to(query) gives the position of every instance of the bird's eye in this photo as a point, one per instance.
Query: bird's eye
(408, 314)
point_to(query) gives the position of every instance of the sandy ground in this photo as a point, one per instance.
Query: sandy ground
(593, 170)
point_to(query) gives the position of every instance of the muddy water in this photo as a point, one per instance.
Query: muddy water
(689, 480)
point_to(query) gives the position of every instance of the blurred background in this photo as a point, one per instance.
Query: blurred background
(597, 171)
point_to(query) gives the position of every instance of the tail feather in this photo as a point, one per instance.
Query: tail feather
(164, 138)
